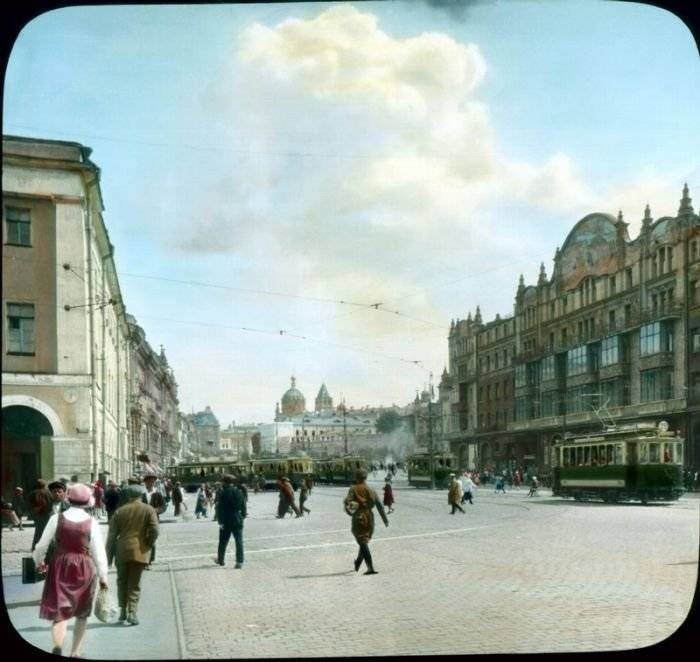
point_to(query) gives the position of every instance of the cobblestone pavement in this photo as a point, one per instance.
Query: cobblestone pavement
(513, 574)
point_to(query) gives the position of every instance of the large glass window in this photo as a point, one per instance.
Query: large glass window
(520, 375)
(520, 409)
(576, 400)
(655, 338)
(614, 392)
(610, 351)
(18, 226)
(20, 328)
(577, 361)
(656, 384)
(550, 403)
(548, 368)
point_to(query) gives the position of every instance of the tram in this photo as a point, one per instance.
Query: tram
(339, 470)
(642, 462)
(192, 474)
(418, 466)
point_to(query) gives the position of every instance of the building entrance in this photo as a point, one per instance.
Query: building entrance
(26, 448)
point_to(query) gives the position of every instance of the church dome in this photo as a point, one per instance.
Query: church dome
(293, 401)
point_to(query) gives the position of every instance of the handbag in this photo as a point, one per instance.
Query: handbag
(30, 575)
(106, 608)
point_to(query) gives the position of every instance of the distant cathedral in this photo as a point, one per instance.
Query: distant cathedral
(294, 403)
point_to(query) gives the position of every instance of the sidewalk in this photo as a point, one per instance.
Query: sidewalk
(157, 637)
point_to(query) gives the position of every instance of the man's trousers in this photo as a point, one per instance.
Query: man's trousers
(224, 536)
(128, 584)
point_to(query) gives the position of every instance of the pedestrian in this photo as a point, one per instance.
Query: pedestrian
(59, 502)
(359, 502)
(231, 510)
(111, 499)
(39, 501)
(262, 483)
(201, 502)
(18, 505)
(467, 487)
(500, 484)
(133, 530)
(303, 496)
(388, 496)
(454, 494)
(154, 498)
(177, 498)
(9, 515)
(286, 498)
(534, 484)
(309, 481)
(98, 494)
(69, 587)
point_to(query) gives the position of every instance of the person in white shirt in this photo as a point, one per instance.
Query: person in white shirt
(467, 487)
(79, 555)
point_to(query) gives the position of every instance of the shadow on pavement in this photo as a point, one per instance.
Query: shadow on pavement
(29, 603)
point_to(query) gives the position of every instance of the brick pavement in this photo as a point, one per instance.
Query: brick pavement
(514, 574)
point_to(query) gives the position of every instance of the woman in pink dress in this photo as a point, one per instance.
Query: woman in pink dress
(79, 557)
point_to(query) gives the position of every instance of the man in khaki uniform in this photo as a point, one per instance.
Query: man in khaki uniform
(132, 532)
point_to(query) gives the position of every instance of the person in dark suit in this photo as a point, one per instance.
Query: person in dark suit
(153, 497)
(111, 499)
(133, 530)
(39, 501)
(230, 512)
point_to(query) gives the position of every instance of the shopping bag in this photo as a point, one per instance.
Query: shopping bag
(30, 575)
(106, 608)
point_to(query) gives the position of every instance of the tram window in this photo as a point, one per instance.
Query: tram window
(643, 453)
(631, 453)
(679, 453)
(609, 453)
(587, 455)
(617, 454)
(668, 452)
(654, 455)
(567, 460)
(594, 455)
(601, 455)
(579, 457)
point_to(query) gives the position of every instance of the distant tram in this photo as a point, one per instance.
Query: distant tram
(193, 474)
(339, 470)
(641, 462)
(418, 466)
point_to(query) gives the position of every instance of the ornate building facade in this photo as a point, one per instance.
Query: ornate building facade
(153, 404)
(616, 328)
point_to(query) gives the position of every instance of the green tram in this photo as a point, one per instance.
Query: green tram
(339, 470)
(642, 462)
(193, 474)
(418, 466)
(271, 468)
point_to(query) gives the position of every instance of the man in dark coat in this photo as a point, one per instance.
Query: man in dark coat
(153, 497)
(230, 513)
(39, 501)
(111, 499)
(177, 498)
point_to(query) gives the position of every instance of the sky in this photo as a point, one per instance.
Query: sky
(272, 172)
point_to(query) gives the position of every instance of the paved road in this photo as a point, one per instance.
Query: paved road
(514, 574)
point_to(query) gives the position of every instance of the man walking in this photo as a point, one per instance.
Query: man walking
(467, 487)
(39, 501)
(230, 513)
(132, 532)
(177, 498)
(454, 496)
(156, 500)
(286, 500)
(111, 499)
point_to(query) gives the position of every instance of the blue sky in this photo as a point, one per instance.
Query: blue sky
(390, 152)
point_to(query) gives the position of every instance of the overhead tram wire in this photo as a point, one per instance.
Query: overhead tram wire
(281, 332)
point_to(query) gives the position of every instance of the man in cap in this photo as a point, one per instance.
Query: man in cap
(230, 513)
(59, 503)
(132, 532)
(156, 500)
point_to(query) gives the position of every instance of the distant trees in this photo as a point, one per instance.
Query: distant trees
(388, 421)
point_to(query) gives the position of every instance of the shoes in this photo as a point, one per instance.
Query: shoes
(357, 563)
(371, 571)
(57, 650)
(218, 562)
(131, 618)
(122, 614)
(238, 565)
(148, 567)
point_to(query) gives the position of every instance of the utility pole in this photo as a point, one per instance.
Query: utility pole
(345, 429)
(430, 434)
